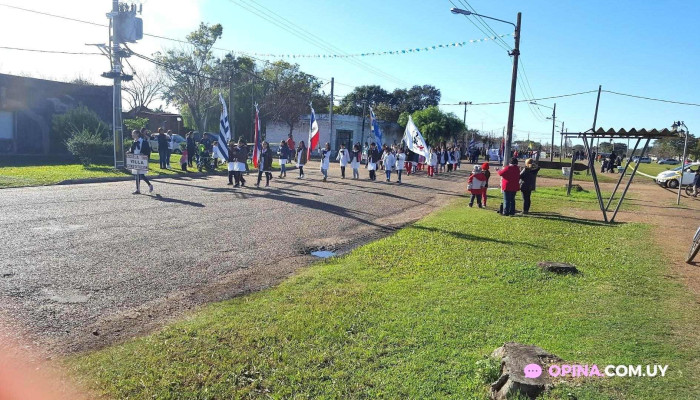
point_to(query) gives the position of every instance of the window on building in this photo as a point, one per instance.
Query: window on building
(343, 137)
(6, 125)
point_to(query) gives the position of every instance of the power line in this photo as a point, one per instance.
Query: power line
(481, 29)
(278, 20)
(653, 99)
(484, 23)
(520, 101)
(50, 51)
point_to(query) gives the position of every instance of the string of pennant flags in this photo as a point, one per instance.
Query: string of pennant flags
(383, 53)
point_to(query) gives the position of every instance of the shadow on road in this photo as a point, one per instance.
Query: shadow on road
(176, 201)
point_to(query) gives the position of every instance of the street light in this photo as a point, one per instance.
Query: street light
(675, 128)
(553, 118)
(514, 80)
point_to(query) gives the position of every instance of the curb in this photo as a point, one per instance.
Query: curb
(131, 178)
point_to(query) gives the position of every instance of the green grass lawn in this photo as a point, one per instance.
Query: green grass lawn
(17, 172)
(413, 316)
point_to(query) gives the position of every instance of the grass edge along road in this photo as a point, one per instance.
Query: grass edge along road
(58, 172)
(413, 315)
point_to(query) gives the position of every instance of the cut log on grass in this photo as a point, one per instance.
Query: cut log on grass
(523, 370)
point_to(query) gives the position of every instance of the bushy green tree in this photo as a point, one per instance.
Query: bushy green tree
(88, 145)
(63, 126)
(435, 125)
(135, 124)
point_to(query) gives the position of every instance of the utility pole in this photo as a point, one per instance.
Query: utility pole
(124, 27)
(364, 110)
(118, 133)
(561, 140)
(231, 110)
(513, 85)
(330, 110)
(466, 103)
(554, 119)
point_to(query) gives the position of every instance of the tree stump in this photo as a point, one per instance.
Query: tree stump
(515, 357)
(557, 267)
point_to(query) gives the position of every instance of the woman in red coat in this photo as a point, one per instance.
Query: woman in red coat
(510, 184)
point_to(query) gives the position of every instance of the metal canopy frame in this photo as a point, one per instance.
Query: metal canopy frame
(641, 136)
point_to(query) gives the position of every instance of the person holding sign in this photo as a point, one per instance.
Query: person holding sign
(140, 146)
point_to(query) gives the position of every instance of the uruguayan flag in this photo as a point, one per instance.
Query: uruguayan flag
(224, 131)
(375, 128)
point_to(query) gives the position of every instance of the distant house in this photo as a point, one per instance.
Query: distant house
(346, 129)
(167, 121)
(27, 107)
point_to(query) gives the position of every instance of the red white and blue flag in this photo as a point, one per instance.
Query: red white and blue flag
(314, 135)
(257, 148)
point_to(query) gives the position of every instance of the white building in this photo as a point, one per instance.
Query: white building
(346, 129)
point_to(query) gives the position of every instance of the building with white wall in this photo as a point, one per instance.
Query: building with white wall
(346, 129)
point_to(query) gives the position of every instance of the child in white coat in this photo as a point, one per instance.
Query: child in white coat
(400, 163)
(355, 159)
(344, 158)
(325, 160)
(389, 163)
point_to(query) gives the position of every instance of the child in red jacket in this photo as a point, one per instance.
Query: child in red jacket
(476, 186)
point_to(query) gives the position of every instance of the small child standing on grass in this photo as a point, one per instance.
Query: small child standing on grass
(184, 156)
(475, 185)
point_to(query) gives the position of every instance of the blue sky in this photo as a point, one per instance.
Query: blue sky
(638, 47)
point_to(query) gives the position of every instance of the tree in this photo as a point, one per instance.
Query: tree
(135, 124)
(143, 90)
(190, 71)
(416, 98)
(435, 125)
(289, 93)
(353, 102)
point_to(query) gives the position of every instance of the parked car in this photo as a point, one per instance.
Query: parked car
(645, 160)
(671, 177)
(175, 141)
(669, 161)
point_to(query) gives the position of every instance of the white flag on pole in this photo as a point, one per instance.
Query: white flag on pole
(414, 140)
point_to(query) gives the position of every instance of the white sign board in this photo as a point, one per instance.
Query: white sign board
(137, 162)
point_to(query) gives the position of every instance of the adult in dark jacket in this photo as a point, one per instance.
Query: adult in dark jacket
(163, 149)
(285, 155)
(265, 164)
(510, 184)
(191, 148)
(302, 155)
(528, 177)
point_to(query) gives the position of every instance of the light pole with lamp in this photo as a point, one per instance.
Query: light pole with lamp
(675, 127)
(514, 80)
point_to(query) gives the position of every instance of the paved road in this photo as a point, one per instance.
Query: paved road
(86, 265)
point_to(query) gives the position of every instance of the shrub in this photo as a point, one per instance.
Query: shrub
(88, 145)
(135, 124)
(64, 126)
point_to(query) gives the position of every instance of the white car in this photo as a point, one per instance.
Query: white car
(671, 177)
(174, 143)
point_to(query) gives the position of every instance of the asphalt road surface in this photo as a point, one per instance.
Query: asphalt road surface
(82, 266)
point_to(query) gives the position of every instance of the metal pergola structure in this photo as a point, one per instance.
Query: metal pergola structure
(641, 136)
